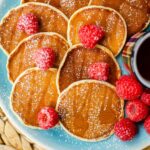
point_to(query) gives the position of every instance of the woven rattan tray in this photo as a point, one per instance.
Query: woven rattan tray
(11, 139)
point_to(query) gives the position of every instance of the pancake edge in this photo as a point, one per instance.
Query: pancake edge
(146, 23)
(24, 5)
(22, 2)
(12, 91)
(80, 45)
(89, 81)
(25, 40)
(98, 7)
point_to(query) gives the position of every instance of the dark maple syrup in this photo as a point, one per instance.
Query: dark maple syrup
(143, 59)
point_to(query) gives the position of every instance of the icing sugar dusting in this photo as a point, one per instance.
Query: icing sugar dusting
(51, 21)
(58, 135)
(84, 112)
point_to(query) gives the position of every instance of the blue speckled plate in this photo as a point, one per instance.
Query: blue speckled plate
(57, 139)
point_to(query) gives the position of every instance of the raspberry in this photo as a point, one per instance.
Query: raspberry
(47, 118)
(90, 35)
(147, 125)
(20, 24)
(136, 110)
(44, 58)
(146, 98)
(127, 87)
(125, 129)
(28, 23)
(99, 71)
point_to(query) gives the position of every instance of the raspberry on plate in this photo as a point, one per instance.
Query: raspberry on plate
(136, 110)
(47, 118)
(127, 87)
(44, 58)
(125, 129)
(146, 98)
(28, 23)
(99, 71)
(147, 125)
(90, 35)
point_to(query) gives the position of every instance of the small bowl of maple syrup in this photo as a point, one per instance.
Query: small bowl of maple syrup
(141, 60)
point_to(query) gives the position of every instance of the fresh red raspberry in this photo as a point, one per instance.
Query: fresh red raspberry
(44, 58)
(147, 125)
(127, 87)
(125, 129)
(146, 97)
(90, 35)
(47, 118)
(28, 23)
(136, 110)
(98, 71)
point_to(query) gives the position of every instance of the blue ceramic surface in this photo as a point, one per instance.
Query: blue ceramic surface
(57, 139)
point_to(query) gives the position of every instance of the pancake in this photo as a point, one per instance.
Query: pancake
(111, 21)
(50, 19)
(22, 56)
(33, 90)
(89, 109)
(75, 64)
(136, 13)
(68, 7)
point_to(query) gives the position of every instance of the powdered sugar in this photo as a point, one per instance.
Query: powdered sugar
(50, 21)
(84, 112)
(111, 22)
(27, 49)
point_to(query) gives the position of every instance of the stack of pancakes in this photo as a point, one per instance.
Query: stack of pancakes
(88, 109)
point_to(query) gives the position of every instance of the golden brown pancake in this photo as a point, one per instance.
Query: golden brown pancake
(22, 57)
(111, 21)
(68, 7)
(50, 19)
(136, 13)
(89, 109)
(74, 66)
(33, 90)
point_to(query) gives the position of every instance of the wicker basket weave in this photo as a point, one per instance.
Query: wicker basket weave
(11, 139)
